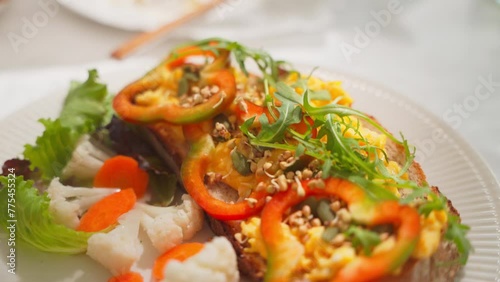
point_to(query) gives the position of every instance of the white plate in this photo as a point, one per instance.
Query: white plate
(449, 162)
(134, 15)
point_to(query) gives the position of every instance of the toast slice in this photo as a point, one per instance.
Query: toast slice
(441, 266)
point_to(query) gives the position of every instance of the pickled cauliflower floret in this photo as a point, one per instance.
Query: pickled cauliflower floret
(68, 203)
(216, 262)
(168, 227)
(120, 248)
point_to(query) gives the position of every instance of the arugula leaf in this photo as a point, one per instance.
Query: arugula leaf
(286, 93)
(245, 127)
(288, 114)
(35, 225)
(433, 202)
(457, 233)
(86, 107)
(363, 238)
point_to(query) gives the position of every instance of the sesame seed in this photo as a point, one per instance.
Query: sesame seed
(197, 99)
(317, 183)
(298, 173)
(219, 126)
(283, 165)
(316, 222)
(260, 186)
(267, 165)
(306, 210)
(214, 89)
(251, 201)
(205, 91)
(344, 215)
(335, 206)
(283, 185)
(338, 239)
(307, 173)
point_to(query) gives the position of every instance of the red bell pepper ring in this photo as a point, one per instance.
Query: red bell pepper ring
(193, 171)
(215, 73)
(405, 219)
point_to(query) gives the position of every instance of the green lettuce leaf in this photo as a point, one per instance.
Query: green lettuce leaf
(85, 109)
(33, 222)
(85, 104)
(53, 148)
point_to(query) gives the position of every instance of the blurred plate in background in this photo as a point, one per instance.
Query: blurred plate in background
(133, 15)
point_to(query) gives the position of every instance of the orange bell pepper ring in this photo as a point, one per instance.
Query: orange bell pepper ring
(213, 74)
(405, 219)
(193, 171)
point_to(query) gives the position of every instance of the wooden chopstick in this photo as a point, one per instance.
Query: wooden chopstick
(148, 36)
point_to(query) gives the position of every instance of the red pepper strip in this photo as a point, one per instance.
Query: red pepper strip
(213, 74)
(250, 110)
(363, 210)
(193, 172)
(179, 58)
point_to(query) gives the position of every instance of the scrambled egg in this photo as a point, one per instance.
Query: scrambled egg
(320, 260)
(430, 234)
(222, 163)
(164, 93)
(251, 229)
(333, 87)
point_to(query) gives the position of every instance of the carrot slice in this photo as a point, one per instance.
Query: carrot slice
(127, 277)
(180, 253)
(122, 172)
(106, 212)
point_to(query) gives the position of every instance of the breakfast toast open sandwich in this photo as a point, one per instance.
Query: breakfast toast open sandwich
(305, 187)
